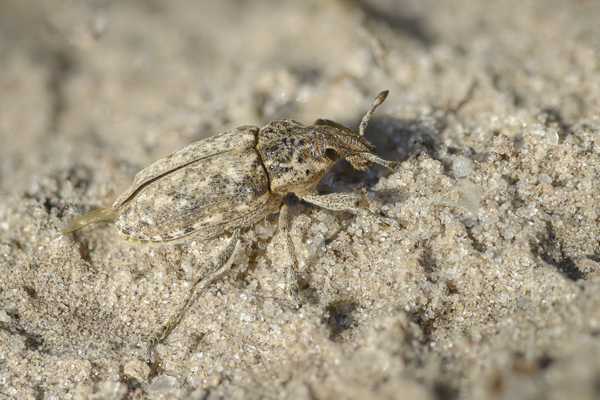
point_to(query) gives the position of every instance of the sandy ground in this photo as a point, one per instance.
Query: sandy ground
(490, 290)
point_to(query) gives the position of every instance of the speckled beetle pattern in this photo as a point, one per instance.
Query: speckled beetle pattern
(230, 181)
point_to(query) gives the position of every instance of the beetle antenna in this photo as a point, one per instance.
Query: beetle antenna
(394, 166)
(365, 121)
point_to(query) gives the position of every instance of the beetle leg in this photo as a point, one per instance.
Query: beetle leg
(205, 272)
(348, 202)
(285, 218)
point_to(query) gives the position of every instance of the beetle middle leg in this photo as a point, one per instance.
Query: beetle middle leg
(291, 282)
(205, 272)
(347, 202)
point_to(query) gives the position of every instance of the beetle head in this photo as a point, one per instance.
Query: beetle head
(296, 156)
(341, 141)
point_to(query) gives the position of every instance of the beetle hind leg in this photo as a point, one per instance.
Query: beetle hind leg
(285, 218)
(205, 272)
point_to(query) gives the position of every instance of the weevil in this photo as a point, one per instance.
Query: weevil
(230, 181)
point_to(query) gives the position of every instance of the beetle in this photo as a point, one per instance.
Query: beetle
(229, 182)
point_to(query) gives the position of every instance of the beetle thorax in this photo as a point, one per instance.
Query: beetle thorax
(292, 156)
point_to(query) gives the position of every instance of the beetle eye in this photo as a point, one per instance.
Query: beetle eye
(331, 154)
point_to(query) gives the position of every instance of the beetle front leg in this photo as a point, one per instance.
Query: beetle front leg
(205, 272)
(291, 282)
(348, 202)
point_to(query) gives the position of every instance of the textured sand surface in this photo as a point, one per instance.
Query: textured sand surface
(491, 290)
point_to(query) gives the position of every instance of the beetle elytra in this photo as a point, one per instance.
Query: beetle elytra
(232, 180)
